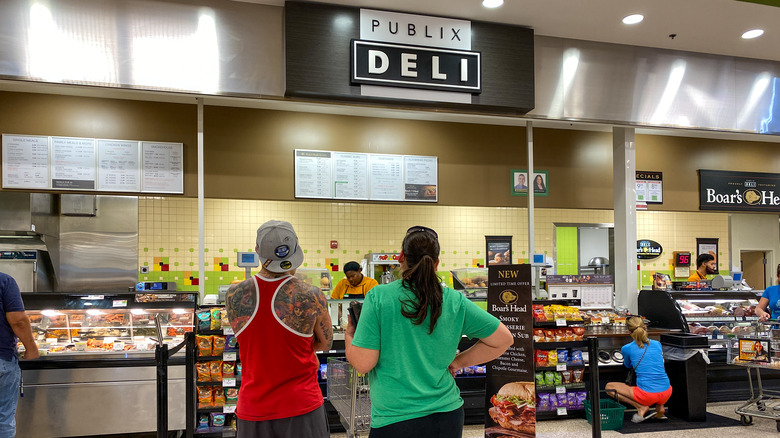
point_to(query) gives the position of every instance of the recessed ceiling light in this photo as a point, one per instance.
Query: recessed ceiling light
(755, 33)
(633, 19)
(492, 3)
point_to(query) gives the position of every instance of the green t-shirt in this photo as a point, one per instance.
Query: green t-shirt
(410, 379)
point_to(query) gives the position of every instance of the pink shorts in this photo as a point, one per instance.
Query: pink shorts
(651, 398)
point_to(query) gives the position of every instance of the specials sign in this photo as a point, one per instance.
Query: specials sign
(510, 390)
(739, 191)
(415, 51)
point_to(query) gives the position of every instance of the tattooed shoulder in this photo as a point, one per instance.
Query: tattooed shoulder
(298, 305)
(240, 303)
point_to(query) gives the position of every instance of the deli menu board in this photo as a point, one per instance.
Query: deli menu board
(88, 164)
(650, 187)
(510, 393)
(360, 176)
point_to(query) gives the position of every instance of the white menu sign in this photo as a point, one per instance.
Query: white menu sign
(163, 167)
(420, 178)
(386, 177)
(25, 161)
(72, 163)
(119, 166)
(313, 174)
(350, 175)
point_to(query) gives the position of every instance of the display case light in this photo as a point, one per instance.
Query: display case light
(179, 311)
(50, 313)
(94, 312)
(137, 311)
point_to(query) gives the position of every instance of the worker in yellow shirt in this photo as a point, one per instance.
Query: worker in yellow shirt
(356, 285)
(705, 265)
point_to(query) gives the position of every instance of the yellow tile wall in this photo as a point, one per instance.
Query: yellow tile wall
(168, 227)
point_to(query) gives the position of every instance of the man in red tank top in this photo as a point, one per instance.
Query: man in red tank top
(280, 322)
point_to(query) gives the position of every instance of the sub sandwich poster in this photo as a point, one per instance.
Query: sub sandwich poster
(510, 393)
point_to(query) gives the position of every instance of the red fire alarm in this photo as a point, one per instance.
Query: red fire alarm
(334, 244)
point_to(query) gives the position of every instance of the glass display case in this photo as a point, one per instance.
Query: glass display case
(472, 282)
(84, 325)
(718, 315)
(316, 277)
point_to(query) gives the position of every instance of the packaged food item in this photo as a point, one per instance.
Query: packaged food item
(550, 335)
(231, 422)
(231, 342)
(238, 370)
(539, 378)
(541, 358)
(552, 358)
(579, 332)
(217, 419)
(218, 346)
(576, 375)
(324, 371)
(215, 367)
(569, 335)
(539, 336)
(553, 402)
(560, 335)
(219, 397)
(566, 377)
(216, 319)
(204, 345)
(576, 357)
(203, 421)
(571, 400)
(228, 370)
(224, 318)
(549, 378)
(538, 312)
(563, 400)
(558, 379)
(581, 396)
(204, 397)
(544, 402)
(204, 372)
(563, 356)
(204, 320)
(231, 396)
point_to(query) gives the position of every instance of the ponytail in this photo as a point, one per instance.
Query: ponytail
(638, 330)
(421, 250)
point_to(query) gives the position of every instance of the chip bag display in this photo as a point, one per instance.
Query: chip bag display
(215, 367)
(204, 345)
(218, 346)
(204, 372)
(204, 397)
(216, 319)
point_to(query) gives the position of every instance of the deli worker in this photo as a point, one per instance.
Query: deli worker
(705, 265)
(355, 285)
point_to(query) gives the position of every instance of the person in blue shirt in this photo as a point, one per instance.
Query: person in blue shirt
(768, 305)
(652, 384)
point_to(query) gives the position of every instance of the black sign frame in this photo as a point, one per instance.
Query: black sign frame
(739, 191)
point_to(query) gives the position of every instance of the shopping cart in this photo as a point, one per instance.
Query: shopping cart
(348, 393)
(763, 403)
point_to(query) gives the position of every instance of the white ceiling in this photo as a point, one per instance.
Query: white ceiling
(706, 26)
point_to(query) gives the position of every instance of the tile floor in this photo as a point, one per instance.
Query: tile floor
(579, 428)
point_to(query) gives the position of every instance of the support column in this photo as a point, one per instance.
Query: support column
(529, 136)
(201, 208)
(624, 170)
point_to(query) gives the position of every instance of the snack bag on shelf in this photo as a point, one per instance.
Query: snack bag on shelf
(566, 377)
(579, 332)
(204, 320)
(217, 419)
(231, 342)
(538, 312)
(205, 397)
(539, 378)
(544, 402)
(563, 356)
(576, 375)
(539, 335)
(228, 370)
(215, 367)
(219, 397)
(549, 378)
(203, 421)
(576, 357)
(204, 345)
(563, 400)
(552, 358)
(216, 319)
(541, 358)
(571, 400)
(231, 396)
(204, 372)
(218, 346)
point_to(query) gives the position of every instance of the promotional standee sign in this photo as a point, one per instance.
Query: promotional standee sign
(739, 191)
(510, 392)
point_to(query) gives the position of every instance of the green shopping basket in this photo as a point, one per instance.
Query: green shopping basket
(611, 414)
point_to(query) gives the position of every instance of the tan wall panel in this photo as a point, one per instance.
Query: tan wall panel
(46, 114)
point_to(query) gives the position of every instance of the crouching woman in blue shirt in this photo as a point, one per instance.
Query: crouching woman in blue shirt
(652, 384)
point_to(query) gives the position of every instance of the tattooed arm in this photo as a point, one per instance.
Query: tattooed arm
(323, 329)
(240, 303)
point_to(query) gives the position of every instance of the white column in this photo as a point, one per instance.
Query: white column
(529, 136)
(201, 208)
(624, 170)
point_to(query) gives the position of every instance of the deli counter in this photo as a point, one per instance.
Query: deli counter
(97, 370)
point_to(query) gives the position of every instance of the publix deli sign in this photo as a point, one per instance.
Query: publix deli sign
(739, 191)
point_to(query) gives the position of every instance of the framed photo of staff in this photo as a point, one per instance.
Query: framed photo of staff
(521, 183)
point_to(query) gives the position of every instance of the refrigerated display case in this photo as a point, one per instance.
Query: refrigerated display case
(316, 277)
(98, 363)
(472, 282)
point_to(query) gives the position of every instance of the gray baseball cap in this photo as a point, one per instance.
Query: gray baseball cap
(277, 246)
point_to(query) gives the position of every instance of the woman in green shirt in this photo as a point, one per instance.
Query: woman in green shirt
(407, 339)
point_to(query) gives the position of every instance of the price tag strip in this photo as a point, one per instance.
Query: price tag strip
(562, 411)
(229, 356)
(229, 409)
(560, 367)
(560, 322)
(560, 390)
(229, 383)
